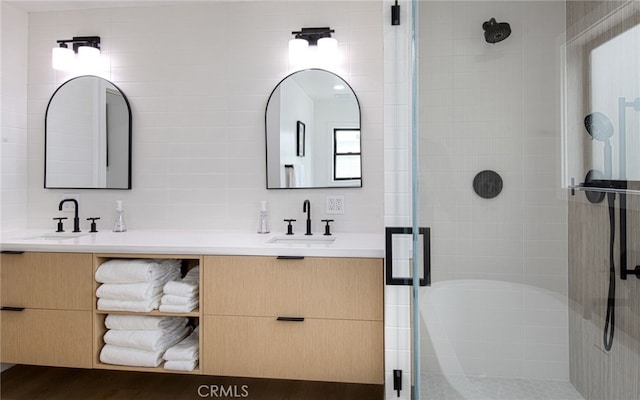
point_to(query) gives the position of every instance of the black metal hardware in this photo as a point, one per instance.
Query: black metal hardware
(94, 227)
(306, 207)
(291, 319)
(76, 220)
(11, 252)
(426, 256)
(327, 228)
(60, 226)
(395, 20)
(397, 380)
(77, 41)
(290, 257)
(290, 227)
(312, 35)
(6, 308)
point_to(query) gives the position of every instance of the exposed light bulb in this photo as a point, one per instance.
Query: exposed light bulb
(298, 49)
(62, 58)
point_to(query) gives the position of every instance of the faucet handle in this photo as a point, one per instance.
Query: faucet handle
(289, 227)
(327, 228)
(60, 226)
(93, 224)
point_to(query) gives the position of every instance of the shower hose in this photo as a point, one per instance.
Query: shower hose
(611, 297)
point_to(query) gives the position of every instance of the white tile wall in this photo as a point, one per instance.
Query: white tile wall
(13, 118)
(198, 77)
(497, 107)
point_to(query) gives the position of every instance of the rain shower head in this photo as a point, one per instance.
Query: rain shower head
(599, 126)
(495, 32)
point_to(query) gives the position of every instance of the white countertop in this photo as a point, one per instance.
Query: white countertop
(192, 242)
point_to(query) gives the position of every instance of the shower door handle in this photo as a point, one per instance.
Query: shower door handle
(389, 258)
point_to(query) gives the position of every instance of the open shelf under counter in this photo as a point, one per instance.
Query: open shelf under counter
(194, 314)
(100, 365)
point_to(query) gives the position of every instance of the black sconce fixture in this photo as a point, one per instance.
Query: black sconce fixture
(319, 37)
(87, 49)
(312, 35)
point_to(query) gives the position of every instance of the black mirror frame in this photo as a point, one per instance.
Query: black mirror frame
(130, 136)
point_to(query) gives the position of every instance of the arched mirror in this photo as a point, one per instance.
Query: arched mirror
(88, 136)
(313, 132)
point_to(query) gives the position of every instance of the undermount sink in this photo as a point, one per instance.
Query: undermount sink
(55, 236)
(304, 240)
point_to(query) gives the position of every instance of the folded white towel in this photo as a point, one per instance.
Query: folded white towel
(143, 322)
(177, 300)
(179, 308)
(187, 286)
(129, 305)
(181, 365)
(186, 350)
(132, 357)
(137, 270)
(129, 291)
(156, 340)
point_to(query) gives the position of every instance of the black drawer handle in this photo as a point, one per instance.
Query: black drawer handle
(290, 257)
(291, 319)
(12, 252)
(11, 308)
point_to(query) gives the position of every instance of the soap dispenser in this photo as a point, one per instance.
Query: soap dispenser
(263, 224)
(119, 224)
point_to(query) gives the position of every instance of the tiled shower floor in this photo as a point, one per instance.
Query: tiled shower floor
(440, 387)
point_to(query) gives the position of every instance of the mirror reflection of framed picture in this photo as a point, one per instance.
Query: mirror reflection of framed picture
(300, 127)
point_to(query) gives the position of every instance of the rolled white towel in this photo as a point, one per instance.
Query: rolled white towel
(182, 308)
(143, 322)
(186, 350)
(155, 340)
(132, 357)
(187, 286)
(129, 305)
(137, 270)
(177, 300)
(129, 291)
(189, 365)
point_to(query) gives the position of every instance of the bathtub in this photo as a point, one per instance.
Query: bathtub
(488, 328)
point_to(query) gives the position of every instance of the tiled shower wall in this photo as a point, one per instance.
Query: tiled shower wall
(13, 120)
(496, 107)
(597, 373)
(198, 77)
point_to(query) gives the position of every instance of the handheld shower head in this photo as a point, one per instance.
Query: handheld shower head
(495, 32)
(599, 126)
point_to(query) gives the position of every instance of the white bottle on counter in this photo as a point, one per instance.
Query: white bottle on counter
(263, 224)
(119, 225)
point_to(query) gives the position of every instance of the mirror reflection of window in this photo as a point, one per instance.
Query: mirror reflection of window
(315, 102)
(615, 85)
(346, 156)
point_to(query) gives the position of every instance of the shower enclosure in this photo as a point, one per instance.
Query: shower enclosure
(502, 318)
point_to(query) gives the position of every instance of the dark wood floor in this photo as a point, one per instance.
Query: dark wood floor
(24, 382)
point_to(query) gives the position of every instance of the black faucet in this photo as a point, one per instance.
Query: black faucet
(306, 207)
(76, 220)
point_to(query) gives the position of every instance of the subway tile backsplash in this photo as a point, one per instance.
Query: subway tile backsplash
(198, 78)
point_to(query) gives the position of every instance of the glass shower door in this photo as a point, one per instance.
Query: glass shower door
(486, 182)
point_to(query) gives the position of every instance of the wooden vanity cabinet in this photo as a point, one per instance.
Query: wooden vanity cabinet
(46, 316)
(311, 319)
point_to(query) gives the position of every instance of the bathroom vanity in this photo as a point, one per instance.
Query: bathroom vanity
(302, 311)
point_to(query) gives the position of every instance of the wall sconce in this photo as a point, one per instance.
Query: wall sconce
(319, 37)
(85, 53)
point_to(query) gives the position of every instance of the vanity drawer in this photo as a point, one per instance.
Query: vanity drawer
(47, 280)
(339, 288)
(46, 337)
(317, 350)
